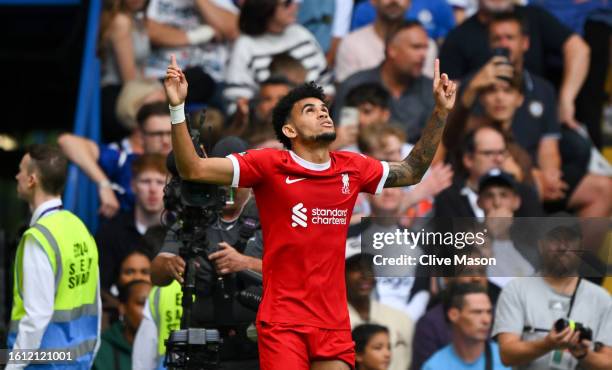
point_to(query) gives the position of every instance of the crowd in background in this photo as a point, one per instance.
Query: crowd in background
(522, 141)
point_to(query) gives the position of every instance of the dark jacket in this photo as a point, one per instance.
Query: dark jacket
(115, 352)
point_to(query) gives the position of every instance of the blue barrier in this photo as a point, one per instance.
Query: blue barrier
(81, 194)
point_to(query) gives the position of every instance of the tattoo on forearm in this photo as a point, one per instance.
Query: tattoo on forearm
(412, 168)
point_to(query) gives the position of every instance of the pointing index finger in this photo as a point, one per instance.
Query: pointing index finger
(437, 71)
(173, 60)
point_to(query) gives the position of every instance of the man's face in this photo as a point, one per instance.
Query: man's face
(157, 135)
(359, 282)
(500, 101)
(391, 148)
(387, 203)
(310, 122)
(391, 10)
(135, 267)
(473, 320)
(370, 114)
(407, 51)
(507, 34)
(496, 197)
(489, 153)
(561, 256)
(148, 189)
(26, 179)
(269, 95)
(132, 310)
(496, 6)
(240, 197)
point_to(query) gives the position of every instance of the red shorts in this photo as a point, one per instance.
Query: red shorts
(284, 346)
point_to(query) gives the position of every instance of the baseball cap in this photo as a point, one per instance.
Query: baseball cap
(497, 177)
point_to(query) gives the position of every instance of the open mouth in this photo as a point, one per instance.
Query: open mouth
(327, 124)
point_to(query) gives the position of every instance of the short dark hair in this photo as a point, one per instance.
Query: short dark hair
(282, 111)
(255, 16)
(405, 25)
(51, 165)
(151, 109)
(371, 92)
(283, 62)
(275, 80)
(457, 293)
(511, 16)
(363, 333)
(126, 291)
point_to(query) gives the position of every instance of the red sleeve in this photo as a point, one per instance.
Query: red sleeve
(373, 174)
(249, 167)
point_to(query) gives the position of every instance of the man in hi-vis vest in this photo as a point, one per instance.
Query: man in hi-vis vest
(56, 299)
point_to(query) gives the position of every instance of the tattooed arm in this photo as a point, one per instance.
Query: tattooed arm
(413, 167)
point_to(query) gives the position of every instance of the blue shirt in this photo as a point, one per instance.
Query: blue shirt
(446, 359)
(571, 12)
(435, 15)
(117, 165)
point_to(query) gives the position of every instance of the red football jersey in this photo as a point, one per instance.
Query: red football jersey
(305, 209)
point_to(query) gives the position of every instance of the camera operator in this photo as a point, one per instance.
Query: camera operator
(529, 308)
(234, 244)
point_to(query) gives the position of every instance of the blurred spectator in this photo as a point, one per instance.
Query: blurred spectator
(136, 265)
(268, 28)
(499, 199)
(123, 47)
(401, 74)
(109, 166)
(433, 329)
(372, 101)
(593, 20)
(365, 48)
(363, 309)
(483, 149)
(253, 118)
(562, 158)
(123, 233)
(463, 9)
(435, 15)
(196, 32)
(372, 347)
(115, 351)
(133, 96)
(466, 49)
(283, 65)
(528, 308)
(470, 314)
(328, 21)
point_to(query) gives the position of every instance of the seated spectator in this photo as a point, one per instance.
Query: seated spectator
(115, 351)
(372, 347)
(268, 28)
(470, 314)
(483, 149)
(372, 101)
(253, 118)
(364, 48)
(110, 167)
(467, 49)
(133, 96)
(499, 199)
(562, 155)
(363, 309)
(123, 47)
(401, 74)
(197, 34)
(529, 307)
(283, 65)
(433, 329)
(435, 15)
(123, 233)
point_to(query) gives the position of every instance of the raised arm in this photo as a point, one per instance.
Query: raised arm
(189, 165)
(411, 170)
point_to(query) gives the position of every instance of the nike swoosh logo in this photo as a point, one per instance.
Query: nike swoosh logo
(291, 181)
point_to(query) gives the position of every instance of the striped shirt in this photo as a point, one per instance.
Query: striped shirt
(251, 58)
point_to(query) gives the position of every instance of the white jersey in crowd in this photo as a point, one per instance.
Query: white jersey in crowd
(251, 57)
